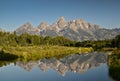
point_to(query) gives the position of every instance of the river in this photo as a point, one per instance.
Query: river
(84, 67)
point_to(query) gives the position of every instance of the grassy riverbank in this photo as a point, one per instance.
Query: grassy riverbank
(37, 52)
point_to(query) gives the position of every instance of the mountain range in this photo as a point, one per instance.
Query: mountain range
(78, 30)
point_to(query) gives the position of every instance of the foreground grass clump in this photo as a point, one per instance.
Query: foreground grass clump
(38, 52)
(114, 64)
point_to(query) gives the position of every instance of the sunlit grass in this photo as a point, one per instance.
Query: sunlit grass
(37, 52)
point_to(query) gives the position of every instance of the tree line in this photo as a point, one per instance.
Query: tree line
(99, 44)
(25, 39)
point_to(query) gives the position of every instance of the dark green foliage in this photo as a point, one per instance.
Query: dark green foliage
(114, 72)
(117, 41)
(7, 39)
(98, 45)
(95, 44)
(26, 40)
(7, 57)
(114, 65)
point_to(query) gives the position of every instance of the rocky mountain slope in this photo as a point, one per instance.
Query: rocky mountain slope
(79, 30)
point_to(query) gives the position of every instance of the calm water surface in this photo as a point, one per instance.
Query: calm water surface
(85, 67)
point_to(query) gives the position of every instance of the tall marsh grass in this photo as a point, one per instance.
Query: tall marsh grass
(37, 52)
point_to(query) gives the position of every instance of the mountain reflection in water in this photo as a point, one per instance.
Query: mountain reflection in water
(74, 63)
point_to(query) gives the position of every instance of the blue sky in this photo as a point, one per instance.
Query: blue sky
(14, 13)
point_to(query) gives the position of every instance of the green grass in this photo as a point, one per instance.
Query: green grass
(38, 52)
